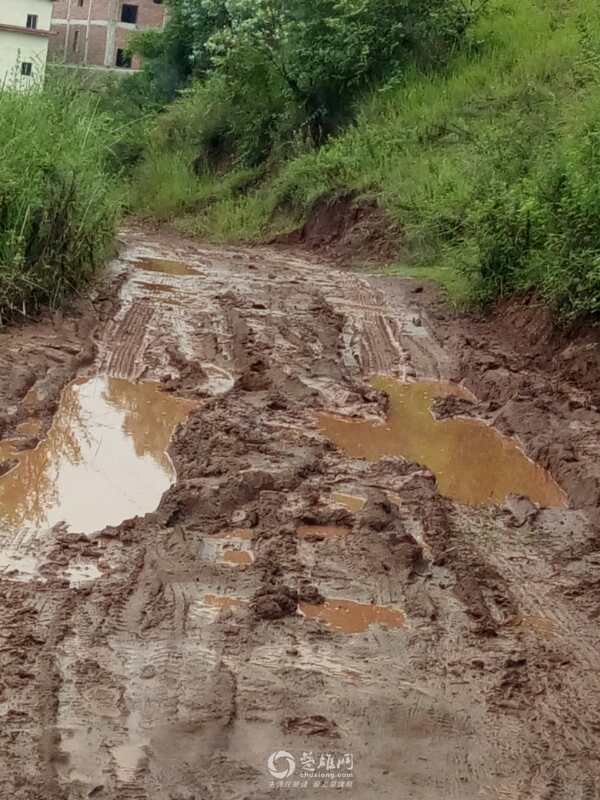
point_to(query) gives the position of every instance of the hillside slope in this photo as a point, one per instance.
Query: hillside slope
(487, 171)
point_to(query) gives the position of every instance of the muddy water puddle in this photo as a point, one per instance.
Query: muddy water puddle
(10, 448)
(164, 266)
(239, 558)
(348, 616)
(231, 547)
(223, 601)
(104, 459)
(351, 502)
(338, 614)
(30, 427)
(472, 462)
(219, 380)
(8, 451)
(156, 287)
(537, 623)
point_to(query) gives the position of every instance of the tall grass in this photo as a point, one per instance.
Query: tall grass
(489, 167)
(58, 201)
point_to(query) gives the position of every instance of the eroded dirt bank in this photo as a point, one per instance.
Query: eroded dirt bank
(170, 656)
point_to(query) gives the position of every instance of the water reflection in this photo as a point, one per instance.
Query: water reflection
(104, 459)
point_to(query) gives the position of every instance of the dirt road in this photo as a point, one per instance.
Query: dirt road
(270, 609)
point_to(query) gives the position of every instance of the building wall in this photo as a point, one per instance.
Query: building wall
(89, 32)
(18, 45)
(14, 12)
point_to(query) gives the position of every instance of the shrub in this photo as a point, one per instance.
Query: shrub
(58, 204)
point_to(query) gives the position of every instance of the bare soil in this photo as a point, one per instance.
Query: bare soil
(348, 229)
(172, 674)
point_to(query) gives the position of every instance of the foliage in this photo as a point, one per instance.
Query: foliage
(281, 70)
(489, 163)
(58, 204)
(323, 52)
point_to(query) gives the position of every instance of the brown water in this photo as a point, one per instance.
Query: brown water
(472, 462)
(351, 617)
(238, 557)
(537, 623)
(104, 459)
(30, 427)
(7, 450)
(156, 287)
(306, 531)
(165, 266)
(223, 601)
(352, 502)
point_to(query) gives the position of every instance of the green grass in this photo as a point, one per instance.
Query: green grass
(455, 283)
(58, 203)
(487, 167)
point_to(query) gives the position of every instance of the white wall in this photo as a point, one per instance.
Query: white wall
(17, 47)
(14, 12)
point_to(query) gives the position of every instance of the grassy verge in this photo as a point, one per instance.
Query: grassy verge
(58, 201)
(489, 168)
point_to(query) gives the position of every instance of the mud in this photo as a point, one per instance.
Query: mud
(138, 662)
(315, 532)
(350, 229)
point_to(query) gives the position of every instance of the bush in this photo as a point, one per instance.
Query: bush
(489, 166)
(164, 186)
(58, 204)
(274, 71)
(543, 231)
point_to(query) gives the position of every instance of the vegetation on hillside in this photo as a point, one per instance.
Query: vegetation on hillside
(275, 78)
(475, 125)
(58, 200)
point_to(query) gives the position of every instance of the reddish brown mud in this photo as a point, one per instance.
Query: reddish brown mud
(430, 649)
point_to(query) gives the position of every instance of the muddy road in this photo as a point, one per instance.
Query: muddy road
(271, 527)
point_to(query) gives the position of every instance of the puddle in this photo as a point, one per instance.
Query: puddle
(18, 566)
(30, 427)
(536, 623)
(218, 379)
(229, 547)
(348, 616)
(164, 265)
(308, 531)
(223, 601)
(238, 557)
(7, 450)
(104, 459)
(82, 574)
(352, 502)
(472, 462)
(155, 287)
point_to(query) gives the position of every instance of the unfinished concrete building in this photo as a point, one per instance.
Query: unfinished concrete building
(95, 33)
